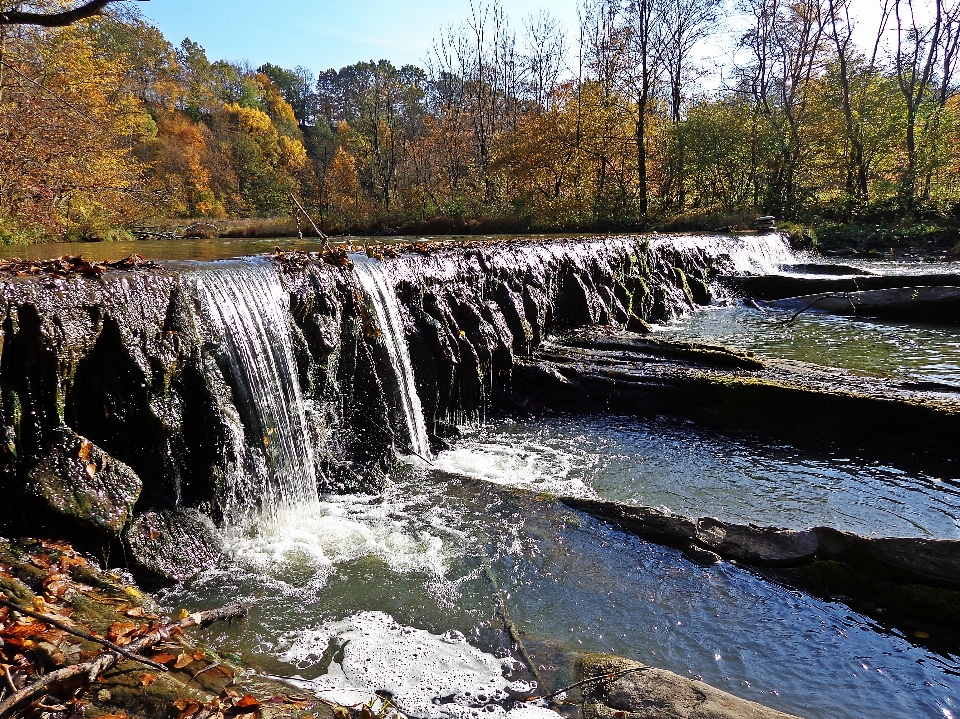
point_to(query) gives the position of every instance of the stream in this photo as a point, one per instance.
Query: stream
(412, 592)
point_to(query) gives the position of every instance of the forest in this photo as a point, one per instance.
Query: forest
(106, 124)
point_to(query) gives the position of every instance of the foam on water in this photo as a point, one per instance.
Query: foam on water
(315, 538)
(531, 465)
(427, 675)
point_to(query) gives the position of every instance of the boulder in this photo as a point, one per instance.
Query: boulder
(173, 544)
(649, 693)
(79, 481)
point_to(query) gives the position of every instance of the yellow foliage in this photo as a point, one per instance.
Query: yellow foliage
(293, 155)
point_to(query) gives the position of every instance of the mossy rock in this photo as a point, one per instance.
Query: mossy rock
(80, 482)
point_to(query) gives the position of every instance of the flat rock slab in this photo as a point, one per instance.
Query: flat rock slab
(784, 399)
(778, 287)
(658, 694)
(940, 304)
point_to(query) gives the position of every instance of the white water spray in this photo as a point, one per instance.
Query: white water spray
(247, 310)
(383, 300)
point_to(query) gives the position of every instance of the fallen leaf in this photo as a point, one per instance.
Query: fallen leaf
(188, 711)
(164, 658)
(84, 451)
(147, 679)
(246, 705)
(183, 660)
(199, 655)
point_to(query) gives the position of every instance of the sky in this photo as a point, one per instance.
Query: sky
(322, 34)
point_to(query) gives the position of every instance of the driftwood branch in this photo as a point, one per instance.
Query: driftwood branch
(320, 234)
(101, 663)
(55, 19)
(78, 633)
(612, 675)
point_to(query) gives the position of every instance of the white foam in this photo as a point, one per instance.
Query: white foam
(530, 465)
(427, 675)
(319, 536)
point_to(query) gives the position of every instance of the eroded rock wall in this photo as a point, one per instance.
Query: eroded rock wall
(120, 372)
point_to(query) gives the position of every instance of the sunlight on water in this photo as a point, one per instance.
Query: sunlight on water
(686, 470)
(929, 353)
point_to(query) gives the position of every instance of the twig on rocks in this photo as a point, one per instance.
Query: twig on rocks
(46, 619)
(101, 663)
(10, 683)
(612, 675)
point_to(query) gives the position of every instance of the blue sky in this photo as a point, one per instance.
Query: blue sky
(320, 34)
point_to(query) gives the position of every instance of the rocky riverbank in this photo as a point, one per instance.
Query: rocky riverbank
(185, 673)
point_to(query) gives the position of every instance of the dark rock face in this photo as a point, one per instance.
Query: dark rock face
(173, 544)
(128, 362)
(84, 485)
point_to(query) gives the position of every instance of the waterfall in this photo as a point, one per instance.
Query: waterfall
(383, 301)
(246, 311)
(760, 254)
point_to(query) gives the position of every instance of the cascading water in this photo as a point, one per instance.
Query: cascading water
(761, 254)
(383, 300)
(247, 311)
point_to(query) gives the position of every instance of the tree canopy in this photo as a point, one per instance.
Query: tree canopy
(105, 121)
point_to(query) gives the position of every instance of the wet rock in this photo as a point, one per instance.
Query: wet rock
(543, 382)
(784, 399)
(759, 546)
(778, 287)
(931, 561)
(511, 306)
(816, 268)
(657, 694)
(901, 579)
(638, 326)
(703, 354)
(78, 481)
(174, 545)
(905, 303)
(651, 524)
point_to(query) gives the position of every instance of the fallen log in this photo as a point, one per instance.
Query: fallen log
(107, 660)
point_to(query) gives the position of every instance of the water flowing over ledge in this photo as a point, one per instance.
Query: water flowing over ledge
(247, 406)
(245, 388)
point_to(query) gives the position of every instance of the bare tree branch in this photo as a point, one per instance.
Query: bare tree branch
(54, 19)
